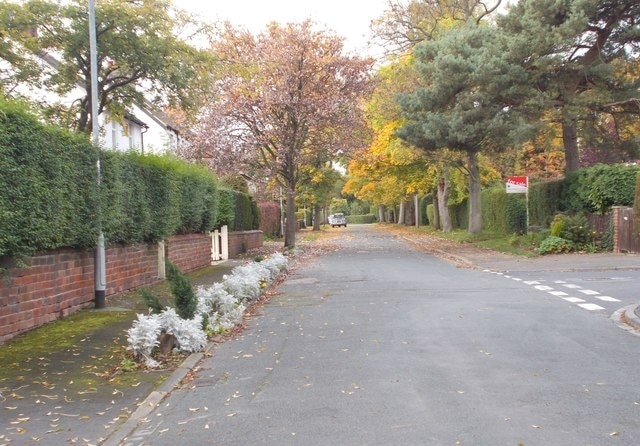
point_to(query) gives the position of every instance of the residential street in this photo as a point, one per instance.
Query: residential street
(379, 343)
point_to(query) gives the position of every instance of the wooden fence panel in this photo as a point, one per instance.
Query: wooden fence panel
(628, 239)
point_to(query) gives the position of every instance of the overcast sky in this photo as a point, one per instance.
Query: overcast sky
(347, 18)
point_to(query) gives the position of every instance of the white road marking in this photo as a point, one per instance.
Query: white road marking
(591, 307)
(574, 300)
(580, 302)
(558, 293)
(607, 298)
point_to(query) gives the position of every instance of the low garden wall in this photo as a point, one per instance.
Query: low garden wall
(56, 284)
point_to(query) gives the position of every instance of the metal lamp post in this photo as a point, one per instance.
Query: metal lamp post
(99, 262)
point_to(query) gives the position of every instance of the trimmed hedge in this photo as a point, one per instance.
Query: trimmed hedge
(148, 198)
(50, 199)
(237, 210)
(362, 219)
(545, 200)
(48, 185)
(503, 212)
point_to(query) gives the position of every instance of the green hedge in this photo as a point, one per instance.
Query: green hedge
(362, 219)
(545, 200)
(48, 185)
(49, 196)
(431, 214)
(459, 215)
(237, 210)
(502, 212)
(598, 188)
(148, 198)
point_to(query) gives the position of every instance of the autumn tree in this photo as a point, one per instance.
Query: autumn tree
(283, 96)
(317, 185)
(404, 24)
(579, 52)
(140, 57)
(389, 171)
(472, 85)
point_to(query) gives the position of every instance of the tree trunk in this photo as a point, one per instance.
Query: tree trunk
(436, 211)
(416, 206)
(291, 223)
(570, 142)
(382, 217)
(475, 213)
(443, 200)
(317, 216)
(401, 213)
(409, 213)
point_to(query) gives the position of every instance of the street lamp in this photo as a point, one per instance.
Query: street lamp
(99, 262)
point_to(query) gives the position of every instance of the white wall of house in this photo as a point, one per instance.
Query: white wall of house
(159, 138)
(122, 136)
(155, 136)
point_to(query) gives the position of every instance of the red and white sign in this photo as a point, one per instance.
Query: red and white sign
(517, 185)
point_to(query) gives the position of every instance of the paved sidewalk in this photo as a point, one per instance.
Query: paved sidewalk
(64, 397)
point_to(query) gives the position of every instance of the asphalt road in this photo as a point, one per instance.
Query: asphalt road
(379, 344)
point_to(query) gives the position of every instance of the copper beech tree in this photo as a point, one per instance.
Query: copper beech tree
(284, 98)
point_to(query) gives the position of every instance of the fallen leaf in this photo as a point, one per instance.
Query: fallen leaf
(536, 426)
(614, 434)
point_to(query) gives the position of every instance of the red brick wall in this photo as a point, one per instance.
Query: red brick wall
(53, 285)
(130, 267)
(240, 242)
(189, 252)
(59, 283)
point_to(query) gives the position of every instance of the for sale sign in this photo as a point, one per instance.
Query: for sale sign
(517, 185)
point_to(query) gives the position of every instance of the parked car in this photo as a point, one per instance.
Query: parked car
(337, 220)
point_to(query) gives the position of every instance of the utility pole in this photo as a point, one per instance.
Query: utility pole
(100, 258)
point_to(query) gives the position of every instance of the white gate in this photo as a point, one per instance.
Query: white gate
(220, 244)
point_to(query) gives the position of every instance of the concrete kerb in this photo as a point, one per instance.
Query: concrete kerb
(155, 398)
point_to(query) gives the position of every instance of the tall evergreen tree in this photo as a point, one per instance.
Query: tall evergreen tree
(578, 51)
(474, 93)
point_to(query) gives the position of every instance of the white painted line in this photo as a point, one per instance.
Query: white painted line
(532, 282)
(574, 300)
(607, 298)
(591, 307)
(558, 293)
(543, 288)
(517, 279)
(559, 281)
(508, 277)
(589, 292)
(572, 286)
